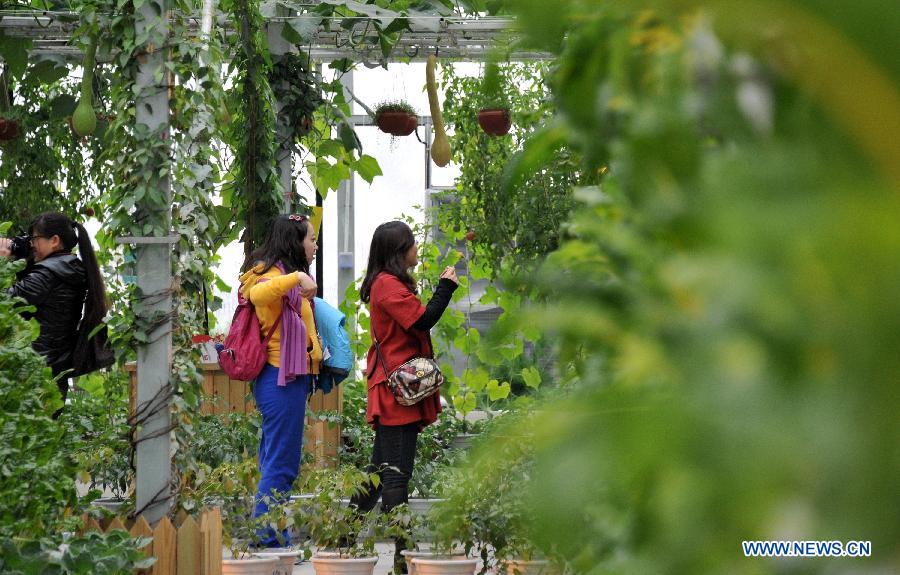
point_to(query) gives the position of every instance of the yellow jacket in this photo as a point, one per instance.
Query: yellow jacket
(267, 299)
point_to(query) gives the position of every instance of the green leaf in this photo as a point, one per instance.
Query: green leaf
(14, 51)
(532, 377)
(497, 390)
(49, 70)
(476, 379)
(367, 167)
(348, 137)
(301, 30)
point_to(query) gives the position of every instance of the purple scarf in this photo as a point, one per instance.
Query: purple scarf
(293, 338)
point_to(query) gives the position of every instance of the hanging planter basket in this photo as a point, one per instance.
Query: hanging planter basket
(9, 129)
(494, 121)
(397, 123)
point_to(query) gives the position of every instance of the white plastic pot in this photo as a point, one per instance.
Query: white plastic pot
(252, 565)
(410, 554)
(451, 566)
(286, 558)
(343, 566)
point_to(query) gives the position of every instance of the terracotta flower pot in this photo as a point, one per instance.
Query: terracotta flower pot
(397, 123)
(494, 121)
(9, 129)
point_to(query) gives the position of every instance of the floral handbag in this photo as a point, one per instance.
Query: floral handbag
(414, 380)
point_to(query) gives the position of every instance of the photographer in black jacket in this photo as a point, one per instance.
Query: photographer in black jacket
(67, 292)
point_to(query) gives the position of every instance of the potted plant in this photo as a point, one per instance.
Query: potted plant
(9, 118)
(9, 126)
(485, 511)
(232, 485)
(396, 118)
(343, 537)
(404, 522)
(494, 117)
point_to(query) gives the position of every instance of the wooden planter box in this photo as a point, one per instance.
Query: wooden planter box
(223, 395)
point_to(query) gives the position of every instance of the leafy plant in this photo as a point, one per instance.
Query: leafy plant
(299, 94)
(394, 106)
(506, 229)
(332, 524)
(94, 553)
(226, 439)
(232, 487)
(486, 510)
(96, 420)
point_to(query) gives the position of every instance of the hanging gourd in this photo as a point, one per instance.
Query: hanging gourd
(84, 120)
(440, 148)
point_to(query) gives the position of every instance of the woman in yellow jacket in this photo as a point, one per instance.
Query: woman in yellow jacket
(279, 286)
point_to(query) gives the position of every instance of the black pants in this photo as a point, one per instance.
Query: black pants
(393, 457)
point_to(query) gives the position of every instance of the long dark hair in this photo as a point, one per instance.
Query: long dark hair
(72, 234)
(390, 242)
(283, 243)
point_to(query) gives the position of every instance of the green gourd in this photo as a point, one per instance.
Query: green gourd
(84, 120)
(440, 148)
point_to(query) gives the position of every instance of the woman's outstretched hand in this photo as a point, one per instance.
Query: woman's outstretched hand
(450, 274)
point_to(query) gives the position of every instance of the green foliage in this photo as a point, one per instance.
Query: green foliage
(94, 553)
(47, 167)
(96, 421)
(36, 467)
(255, 188)
(724, 296)
(486, 511)
(295, 87)
(331, 523)
(230, 439)
(511, 227)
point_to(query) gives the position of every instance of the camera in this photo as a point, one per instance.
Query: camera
(20, 246)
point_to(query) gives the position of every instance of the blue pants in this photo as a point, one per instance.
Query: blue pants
(280, 448)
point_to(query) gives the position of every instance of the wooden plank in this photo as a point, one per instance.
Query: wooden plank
(211, 541)
(206, 406)
(142, 529)
(164, 548)
(220, 383)
(249, 402)
(116, 523)
(189, 548)
(236, 392)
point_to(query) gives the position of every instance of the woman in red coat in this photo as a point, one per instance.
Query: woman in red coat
(400, 324)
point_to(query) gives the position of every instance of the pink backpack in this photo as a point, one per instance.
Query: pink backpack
(244, 354)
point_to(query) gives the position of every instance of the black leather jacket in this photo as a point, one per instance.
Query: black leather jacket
(57, 287)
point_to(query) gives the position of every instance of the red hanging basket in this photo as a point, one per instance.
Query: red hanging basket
(9, 129)
(397, 123)
(494, 121)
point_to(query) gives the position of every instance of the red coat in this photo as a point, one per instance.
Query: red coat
(393, 309)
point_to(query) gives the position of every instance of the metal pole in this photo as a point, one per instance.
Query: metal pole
(154, 281)
(346, 219)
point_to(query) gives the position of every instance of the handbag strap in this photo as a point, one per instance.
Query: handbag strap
(381, 357)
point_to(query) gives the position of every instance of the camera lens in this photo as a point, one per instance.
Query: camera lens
(20, 247)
